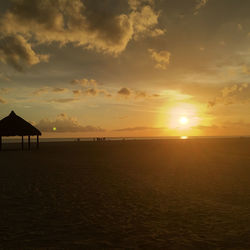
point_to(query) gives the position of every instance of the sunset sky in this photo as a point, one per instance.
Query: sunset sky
(127, 67)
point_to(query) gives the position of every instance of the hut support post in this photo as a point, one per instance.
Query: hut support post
(37, 141)
(29, 142)
(0, 143)
(22, 143)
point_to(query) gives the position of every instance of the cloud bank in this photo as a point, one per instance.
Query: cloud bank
(88, 87)
(65, 123)
(91, 24)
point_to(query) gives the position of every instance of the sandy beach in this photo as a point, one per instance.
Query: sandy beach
(158, 194)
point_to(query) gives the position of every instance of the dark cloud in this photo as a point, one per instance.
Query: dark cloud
(124, 92)
(77, 92)
(136, 94)
(59, 90)
(91, 91)
(17, 52)
(64, 100)
(45, 13)
(65, 123)
(91, 24)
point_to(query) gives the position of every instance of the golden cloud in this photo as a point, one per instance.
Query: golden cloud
(231, 95)
(162, 58)
(66, 21)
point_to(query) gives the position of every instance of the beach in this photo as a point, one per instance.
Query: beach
(138, 194)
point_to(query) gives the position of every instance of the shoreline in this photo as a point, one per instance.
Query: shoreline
(91, 139)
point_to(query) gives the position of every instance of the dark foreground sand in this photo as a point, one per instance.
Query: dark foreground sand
(162, 194)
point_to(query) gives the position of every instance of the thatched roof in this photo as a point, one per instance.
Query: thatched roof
(13, 125)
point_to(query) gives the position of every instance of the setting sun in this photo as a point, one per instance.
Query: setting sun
(183, 120)
(183, 116)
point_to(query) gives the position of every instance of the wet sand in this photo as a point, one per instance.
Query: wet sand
(159, 194)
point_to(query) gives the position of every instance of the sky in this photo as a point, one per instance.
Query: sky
(89, 68)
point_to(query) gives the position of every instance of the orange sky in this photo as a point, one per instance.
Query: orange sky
(126, 68)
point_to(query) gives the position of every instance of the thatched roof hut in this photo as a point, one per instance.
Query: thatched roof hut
(14, 125)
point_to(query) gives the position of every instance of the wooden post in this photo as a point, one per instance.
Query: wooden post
(22, 142)
(29, 142)
(37, 141)
(0, 143)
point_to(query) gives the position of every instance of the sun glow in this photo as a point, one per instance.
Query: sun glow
(183, 117)
(183, 120)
